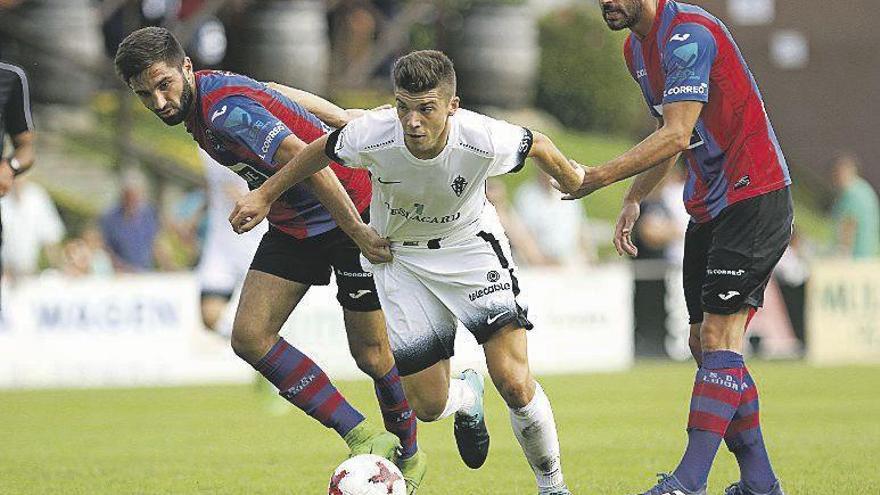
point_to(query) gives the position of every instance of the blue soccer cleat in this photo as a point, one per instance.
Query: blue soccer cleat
(471, 434)
(740, 488)
(669, 485)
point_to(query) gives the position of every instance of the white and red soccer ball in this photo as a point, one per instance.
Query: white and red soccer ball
(367, 474)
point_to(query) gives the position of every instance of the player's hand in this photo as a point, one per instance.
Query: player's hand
(591, 182)
(375, 248)
(249, 211)
(6, 177)
(623, 231)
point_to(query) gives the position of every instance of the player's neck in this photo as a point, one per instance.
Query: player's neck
(649, 12)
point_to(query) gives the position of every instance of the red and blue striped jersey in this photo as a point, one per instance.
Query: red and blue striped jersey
(241, 123)
(689, 55)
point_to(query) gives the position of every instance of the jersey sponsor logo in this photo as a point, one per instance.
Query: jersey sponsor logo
(492, 319)
(728, 296)
(493, 276)
(417, 214)
(641, 73)
(359, 294)
(687, 54)
(743, 181)
(485, 291)
(387, 181)
(270, 138)
(458, 185)
(702, 89)
(251, 175)
(723, 271)
(218, 113)
(680, 37)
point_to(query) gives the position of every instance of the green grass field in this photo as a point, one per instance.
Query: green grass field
(617, 430)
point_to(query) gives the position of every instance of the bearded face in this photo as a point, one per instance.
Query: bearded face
(621, 14)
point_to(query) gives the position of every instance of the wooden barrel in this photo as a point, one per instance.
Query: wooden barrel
(284, 41)
(496, 56)
(70, 32)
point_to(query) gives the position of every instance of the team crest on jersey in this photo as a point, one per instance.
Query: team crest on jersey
(458, 185)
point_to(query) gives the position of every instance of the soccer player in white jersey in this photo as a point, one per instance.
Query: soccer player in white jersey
(429, 162)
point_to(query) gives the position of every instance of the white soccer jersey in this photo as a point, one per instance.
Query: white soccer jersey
(419, 200)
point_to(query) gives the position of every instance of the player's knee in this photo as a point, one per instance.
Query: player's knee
(249, 346)
(516, 391)
(374, 360)
(427, 409)
(696, 348)
(713, 333)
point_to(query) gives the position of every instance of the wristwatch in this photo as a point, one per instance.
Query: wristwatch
(15, 165)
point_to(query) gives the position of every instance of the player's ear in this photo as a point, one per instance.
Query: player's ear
(454, 105)
(187, 66)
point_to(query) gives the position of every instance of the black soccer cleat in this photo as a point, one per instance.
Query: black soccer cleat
(471, 434)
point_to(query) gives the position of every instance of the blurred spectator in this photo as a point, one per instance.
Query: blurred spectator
(353, 28)
(187, 224)
(660, 326)
(559, 227)
(524, 247)
(86, 255)
(130, 227)
(856, 212)
(226, 256)
(32, 228)
(792, 274)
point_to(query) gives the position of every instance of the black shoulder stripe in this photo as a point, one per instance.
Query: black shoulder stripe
(525, 146)
(330, 147)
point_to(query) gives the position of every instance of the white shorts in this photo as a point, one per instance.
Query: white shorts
(425, 292)
(225, 262)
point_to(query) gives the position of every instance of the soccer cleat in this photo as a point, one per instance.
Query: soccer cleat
(413, 469)
(365, 439)
(555, 491)
(740, 488)
(471, 434)
(669, 485)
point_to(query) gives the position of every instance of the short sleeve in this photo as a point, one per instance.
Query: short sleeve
(512, 144)
(687, 63)
(342, 146)
(248, 123)
(17, 114)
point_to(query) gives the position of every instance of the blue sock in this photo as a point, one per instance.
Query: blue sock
(716, 395)
(745, 440)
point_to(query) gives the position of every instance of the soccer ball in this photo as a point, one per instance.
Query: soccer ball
(367, 474)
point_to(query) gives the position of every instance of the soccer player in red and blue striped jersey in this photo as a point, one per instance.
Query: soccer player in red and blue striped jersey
(317, 228)
(709, 109)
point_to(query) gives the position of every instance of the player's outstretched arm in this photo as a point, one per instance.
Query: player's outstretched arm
(327, 112)
(566, 174)
(663, 144)
(643, 184)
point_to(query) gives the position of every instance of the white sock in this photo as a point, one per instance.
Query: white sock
(461, 398)
(535, 429)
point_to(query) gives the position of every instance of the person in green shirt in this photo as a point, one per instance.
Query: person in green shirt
(856, 211)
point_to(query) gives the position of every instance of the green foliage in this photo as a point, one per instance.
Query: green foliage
(583, 79)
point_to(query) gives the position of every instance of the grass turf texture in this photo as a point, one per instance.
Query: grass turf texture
(616, 430)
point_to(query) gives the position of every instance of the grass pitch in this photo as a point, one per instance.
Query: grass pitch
(616, 430)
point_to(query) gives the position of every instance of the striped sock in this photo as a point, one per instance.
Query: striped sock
(399, 417)
(716, 395)
(305, 385)
(745, 440)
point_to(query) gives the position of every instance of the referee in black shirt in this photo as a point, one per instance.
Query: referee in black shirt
(16, 122)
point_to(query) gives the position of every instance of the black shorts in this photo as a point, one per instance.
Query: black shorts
(729, 259)
(310, 261)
